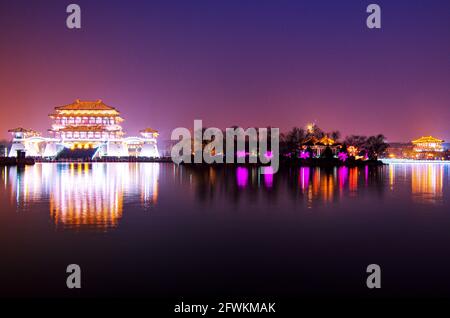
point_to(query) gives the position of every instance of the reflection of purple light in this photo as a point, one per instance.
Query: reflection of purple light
(342, 176)
(304, 155)
(342, 156)
(240, 153)
(269, 155)
(242, 176)
(366, 174)
(268, 176)
(304, 177)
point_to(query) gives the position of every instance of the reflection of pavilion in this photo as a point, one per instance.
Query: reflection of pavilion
(427, 182)
(83, 195)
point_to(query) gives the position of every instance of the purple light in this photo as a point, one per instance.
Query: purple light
(240, 153)
(269, 154)
(242, 177)
(342, 156)
(304, 155)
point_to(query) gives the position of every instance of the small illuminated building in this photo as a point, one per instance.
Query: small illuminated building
(148, 148)
(85, 129)
(319, 145)
(144, 146)
(26, 140)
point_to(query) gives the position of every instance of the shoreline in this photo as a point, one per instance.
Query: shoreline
(13, 161)
(316, 162)
(326, 163)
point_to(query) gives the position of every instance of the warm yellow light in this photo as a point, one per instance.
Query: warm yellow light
(352, 150)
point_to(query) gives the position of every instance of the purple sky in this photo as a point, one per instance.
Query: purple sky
(232, 62)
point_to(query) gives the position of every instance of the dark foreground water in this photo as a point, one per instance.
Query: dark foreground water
(157, 230)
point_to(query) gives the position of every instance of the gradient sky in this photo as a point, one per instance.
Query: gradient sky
(231, 62)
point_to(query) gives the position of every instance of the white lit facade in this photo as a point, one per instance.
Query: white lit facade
(85, 126)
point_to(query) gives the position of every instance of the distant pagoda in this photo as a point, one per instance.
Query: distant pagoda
(428, 144)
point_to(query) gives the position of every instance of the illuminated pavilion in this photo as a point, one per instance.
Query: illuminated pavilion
(86, 128)
(318, 146)
(428, 143)
(428, 147)
(26, 140)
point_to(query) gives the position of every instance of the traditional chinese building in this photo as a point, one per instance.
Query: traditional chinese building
(428, 148)
(318, 146)
(85, 129)
(85, 124)
(26, 140)
(427, 144)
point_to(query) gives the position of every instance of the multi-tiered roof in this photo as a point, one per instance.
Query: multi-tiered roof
(427, 140)
(86, 120)
(85, 108)
(428, 144)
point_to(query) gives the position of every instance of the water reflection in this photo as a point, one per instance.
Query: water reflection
(321, 186)
(242, 177)
(82, 195)
(97, 195)
(427, 182)
(307, 184)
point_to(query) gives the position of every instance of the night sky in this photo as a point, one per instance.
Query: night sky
(231, 62)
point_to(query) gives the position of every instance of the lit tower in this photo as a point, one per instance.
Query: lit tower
(149, 148)
(26, 140)
(86, 124)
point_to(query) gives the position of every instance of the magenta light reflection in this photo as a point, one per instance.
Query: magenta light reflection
(268, 176)
(304, 177)
(242, 177)
(342, 177)
(366, 174)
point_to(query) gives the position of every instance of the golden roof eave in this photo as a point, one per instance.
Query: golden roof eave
(327, 141)
(149, 131)
(62, 115)
(20, 129)
(85, 105)
(427, 139)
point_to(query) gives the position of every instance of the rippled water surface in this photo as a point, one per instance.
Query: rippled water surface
(154, 229)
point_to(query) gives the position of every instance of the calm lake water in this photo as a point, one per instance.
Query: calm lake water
(158, 230)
